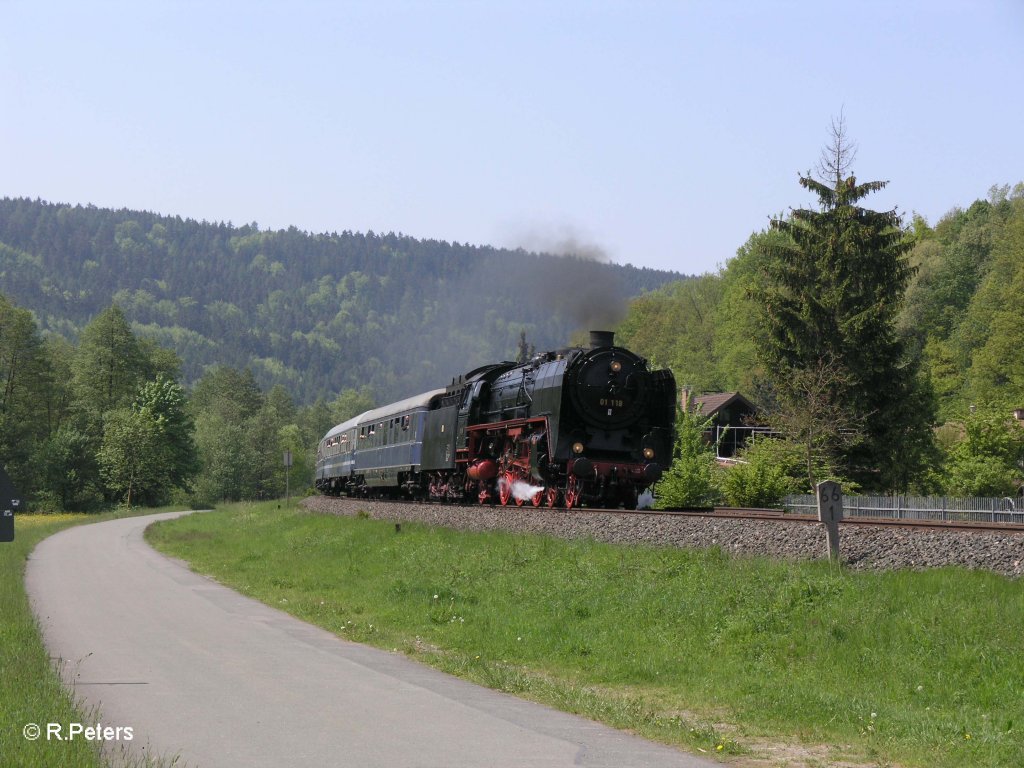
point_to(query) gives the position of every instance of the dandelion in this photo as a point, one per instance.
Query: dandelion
(874, 715)
(720, 747)
(435, 597)
(967, 736)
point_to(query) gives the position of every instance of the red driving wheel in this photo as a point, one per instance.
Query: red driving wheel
(572, 492)
(551, 497)
(505, 488)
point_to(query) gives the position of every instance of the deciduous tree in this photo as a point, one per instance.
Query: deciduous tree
(130, 457)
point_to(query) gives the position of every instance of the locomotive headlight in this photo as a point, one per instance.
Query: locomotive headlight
(648, 453)
(577, 447)
(616, 366)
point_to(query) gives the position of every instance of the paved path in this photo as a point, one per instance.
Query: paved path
(220, 680)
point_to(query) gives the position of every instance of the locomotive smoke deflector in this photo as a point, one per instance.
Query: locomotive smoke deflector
(602, 339)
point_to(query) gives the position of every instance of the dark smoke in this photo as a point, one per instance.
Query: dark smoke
(581, 284)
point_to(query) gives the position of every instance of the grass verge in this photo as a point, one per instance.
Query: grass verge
(30, 691)
(692, 648)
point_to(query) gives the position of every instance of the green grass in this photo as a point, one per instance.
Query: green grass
(30, 691)
(688, 647)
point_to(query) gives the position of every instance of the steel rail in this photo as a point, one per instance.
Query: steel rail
(750, 513)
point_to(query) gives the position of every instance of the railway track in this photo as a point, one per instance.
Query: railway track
(746, 513)
(925, 525)
(866, 543)
(750, 513)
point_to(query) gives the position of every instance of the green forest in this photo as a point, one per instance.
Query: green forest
(315, 313)
(146, 358)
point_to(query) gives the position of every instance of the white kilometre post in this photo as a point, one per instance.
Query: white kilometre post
(830, 512)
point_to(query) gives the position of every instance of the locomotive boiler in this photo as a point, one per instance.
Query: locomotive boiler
(569, 427)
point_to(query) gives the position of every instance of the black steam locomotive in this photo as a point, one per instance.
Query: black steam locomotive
(569, 427)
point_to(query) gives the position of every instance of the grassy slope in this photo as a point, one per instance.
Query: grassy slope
(29, 689)
(921, 668)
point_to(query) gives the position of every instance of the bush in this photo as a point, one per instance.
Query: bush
(690, 481)
(987, 462)
(765, 474)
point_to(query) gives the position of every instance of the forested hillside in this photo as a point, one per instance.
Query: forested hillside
(316, 313)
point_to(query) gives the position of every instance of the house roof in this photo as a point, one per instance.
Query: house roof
(712, 402)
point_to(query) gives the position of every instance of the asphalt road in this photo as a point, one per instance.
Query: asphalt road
(217, 680)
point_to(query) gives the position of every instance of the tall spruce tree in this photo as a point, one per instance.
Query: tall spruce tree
(830, 293)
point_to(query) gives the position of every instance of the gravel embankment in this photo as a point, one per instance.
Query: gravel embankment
(878, 548)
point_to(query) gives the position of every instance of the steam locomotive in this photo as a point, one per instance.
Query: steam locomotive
(570, 427)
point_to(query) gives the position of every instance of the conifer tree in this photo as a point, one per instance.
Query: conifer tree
(110, 364)
(831, 291)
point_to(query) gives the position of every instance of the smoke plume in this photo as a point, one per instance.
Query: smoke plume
(581, 284)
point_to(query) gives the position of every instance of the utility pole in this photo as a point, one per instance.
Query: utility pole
(287, 476)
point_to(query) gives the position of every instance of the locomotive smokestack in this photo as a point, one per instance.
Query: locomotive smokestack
(602, 339)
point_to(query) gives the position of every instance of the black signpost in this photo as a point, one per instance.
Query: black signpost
(10, 500)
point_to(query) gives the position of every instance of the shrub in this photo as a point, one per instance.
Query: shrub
(690, 481)
(764, 476)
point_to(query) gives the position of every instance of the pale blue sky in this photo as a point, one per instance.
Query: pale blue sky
(660, 133)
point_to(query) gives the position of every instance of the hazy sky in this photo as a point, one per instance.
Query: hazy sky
(661, 133)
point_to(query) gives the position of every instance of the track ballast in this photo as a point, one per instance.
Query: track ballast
(865, 544)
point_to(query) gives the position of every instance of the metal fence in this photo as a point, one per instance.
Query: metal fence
(729, 439)
(970, 509)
